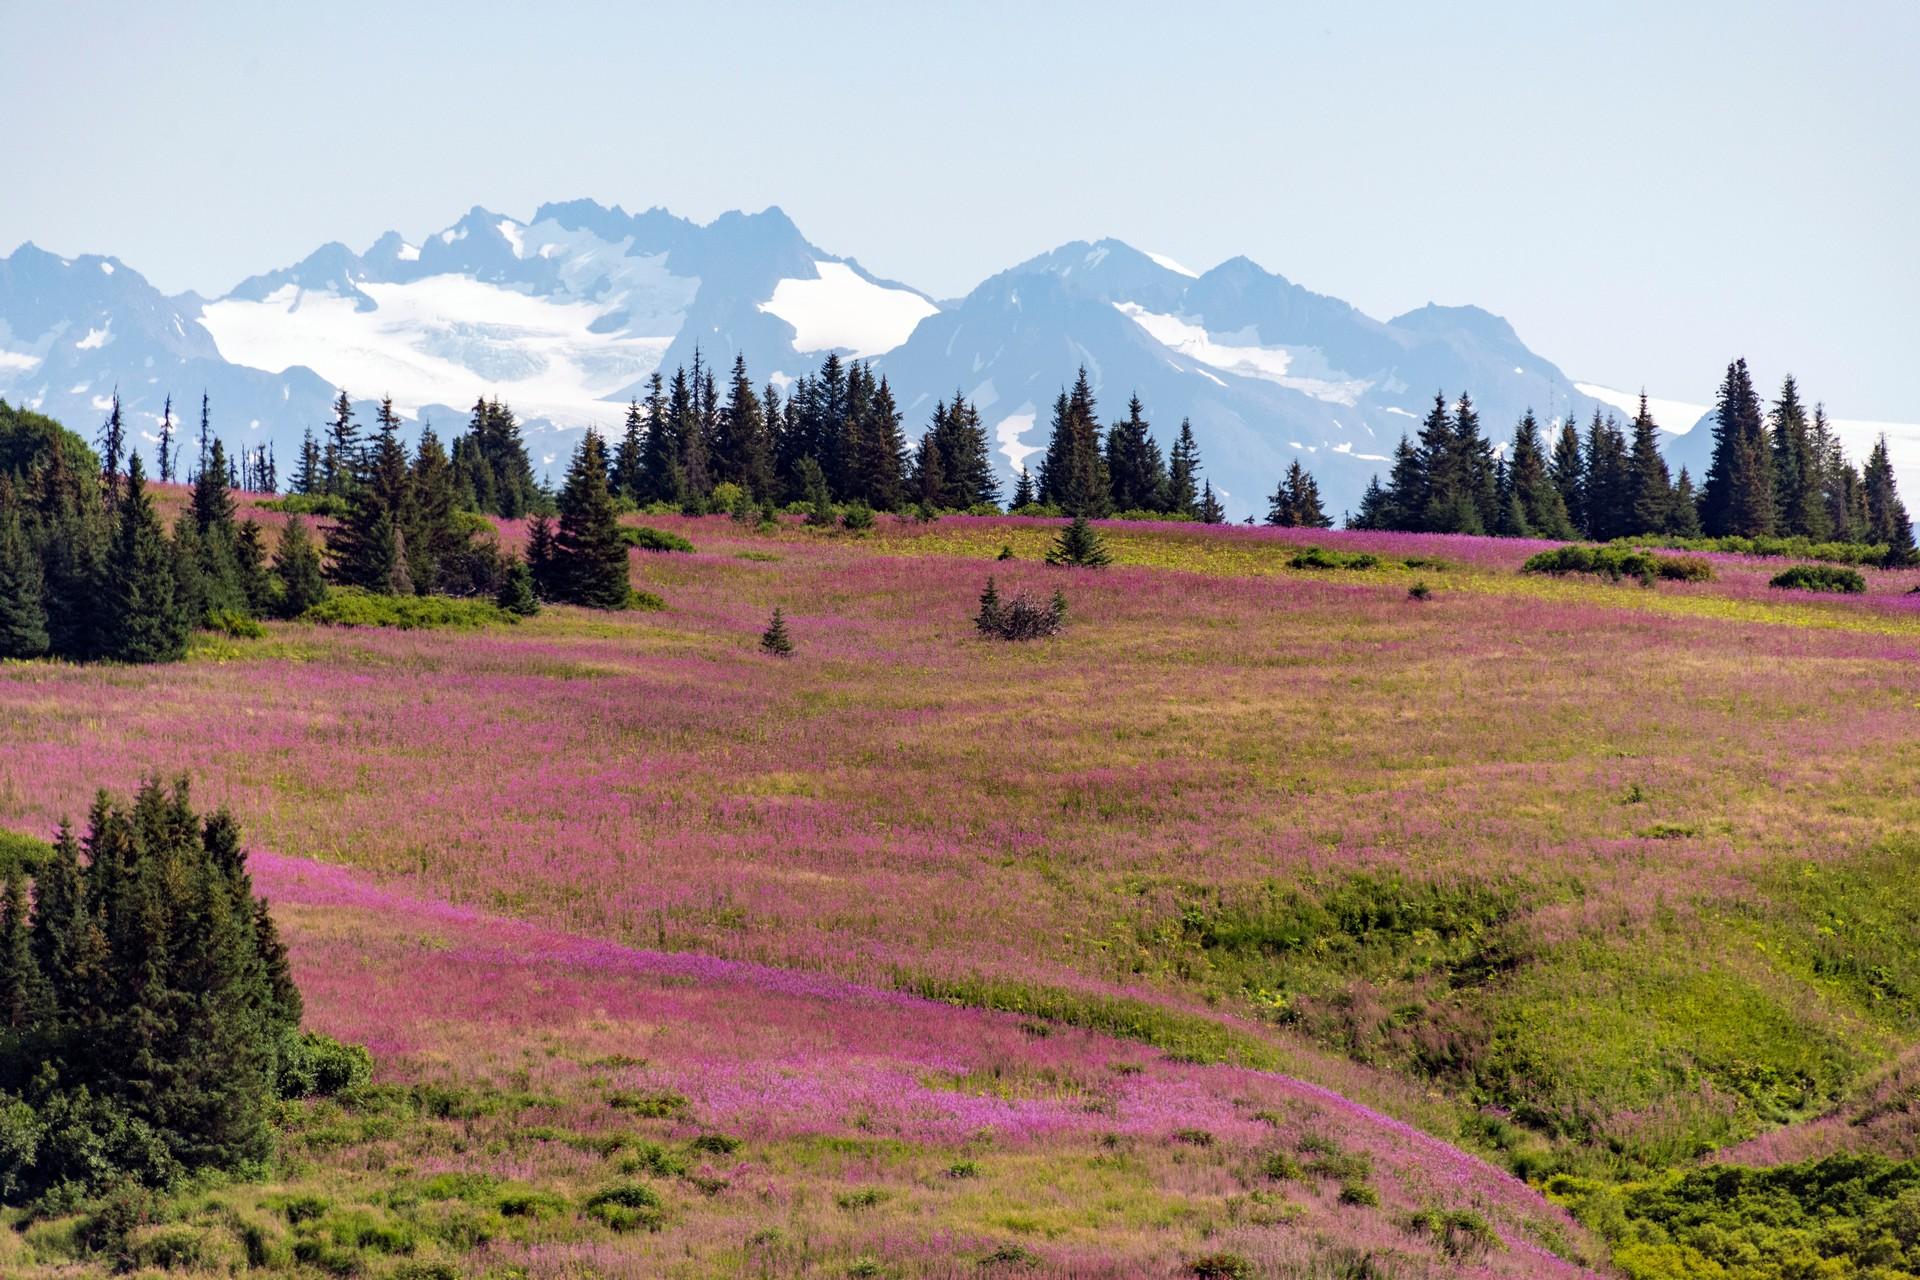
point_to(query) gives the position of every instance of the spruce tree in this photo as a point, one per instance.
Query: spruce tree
(113, 446)
(1073, 472)
(517, 595)
(881, 467)
(542, 567)
(1296, 502)
(629, 480)
(164, 450)
(369, 543)
(775, 639)
(342, 453)
(307, 475)
(1211, 512)
(436, 536)
(1024, 492)
(1799, 498)
(1183, 471)
(1683, 518)
(927, 481)
(296, 563)
(1135, 468)
(1887, 520)
(1569, 472)
(23, 610)
(1375, 507)
(1649, 494)
(660, 449)
(146, 621)
(1737, 498)
(744, 451)
(589, 555)
(966, 466)
(1079, 546)
(1535, 495)
(1608, 484)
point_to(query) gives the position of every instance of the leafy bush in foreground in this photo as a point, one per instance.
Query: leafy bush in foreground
(352, 607)
(1820, 577)
(1079, 546)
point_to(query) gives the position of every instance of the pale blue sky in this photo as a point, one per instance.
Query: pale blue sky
(1643, 189)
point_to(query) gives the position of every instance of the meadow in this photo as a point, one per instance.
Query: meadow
(1259, 868)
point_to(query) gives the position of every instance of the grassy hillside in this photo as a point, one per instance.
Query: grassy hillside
(1591, 879)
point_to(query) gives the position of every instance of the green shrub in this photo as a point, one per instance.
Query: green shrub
(961, 1169)
(652, 1157)
(1321, 558)
(1683, 568)
(1612, 563)
(1795, 548)
(425, 1271)
(1193, 1137)
(1459, 1232)
(1220, 1266)
(1820, 577)
(21, 855)
(351, 607)
(316, 1065)
(718, 1144)
(1360, 1193)
(1010, 1255)
(332, 505)
(864, 1198)
(645, 602)
(626, 1206)
(1282, 1167)
(648, 538)
(231, 622)
(858, 518)
(651, 1105)
(537, 1206)
(1420, 591)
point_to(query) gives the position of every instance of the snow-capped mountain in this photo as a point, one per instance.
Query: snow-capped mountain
(564, 315)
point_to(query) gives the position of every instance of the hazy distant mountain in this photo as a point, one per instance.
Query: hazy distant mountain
(566, 314)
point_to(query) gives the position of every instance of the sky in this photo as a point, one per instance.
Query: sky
(1644, 190)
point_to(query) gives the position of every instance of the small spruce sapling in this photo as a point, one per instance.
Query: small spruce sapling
(1079, 546)
(775, 639)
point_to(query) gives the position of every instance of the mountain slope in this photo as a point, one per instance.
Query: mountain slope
(566, 315)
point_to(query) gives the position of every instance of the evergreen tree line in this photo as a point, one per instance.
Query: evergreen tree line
(148, 1018)
(1087, 471)
(88, 571)
(1777, 473)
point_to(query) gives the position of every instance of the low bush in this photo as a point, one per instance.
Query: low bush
(231, 622)
(1820, 577)
(21, 855)
(351, 607)
(331, 505)
(650, 1105)
(1322, 558)
(648, 538)
(1221, 1266)
(1460, 1233)
(1617, 563)
(626, 1206)
(1796, 548)
(313, 1064)
(1022, 618)
(858, 518)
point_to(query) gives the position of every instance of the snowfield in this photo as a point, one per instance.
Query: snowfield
(444, 340)
(843, 310)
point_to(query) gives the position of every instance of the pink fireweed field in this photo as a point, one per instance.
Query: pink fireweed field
(1571, 874)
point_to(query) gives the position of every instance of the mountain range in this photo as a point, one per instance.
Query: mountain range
(565, 315)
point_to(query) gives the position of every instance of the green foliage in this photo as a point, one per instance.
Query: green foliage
(1420, 591)
(1221, 1266)
(1459, 1233)
(1847, 1214)
(1820, 577)
(626, 1206)
(1022, 618)
(648, 538)
(1079, 546)
(21, 854)
(775, 639)
(313, 1064)
(858, 518)
(1322, 558)
(146, 1005)
(331, 506)
(1616, 563)
(1795, 548)
(516, 595)
(351, 607)
(588, 561)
